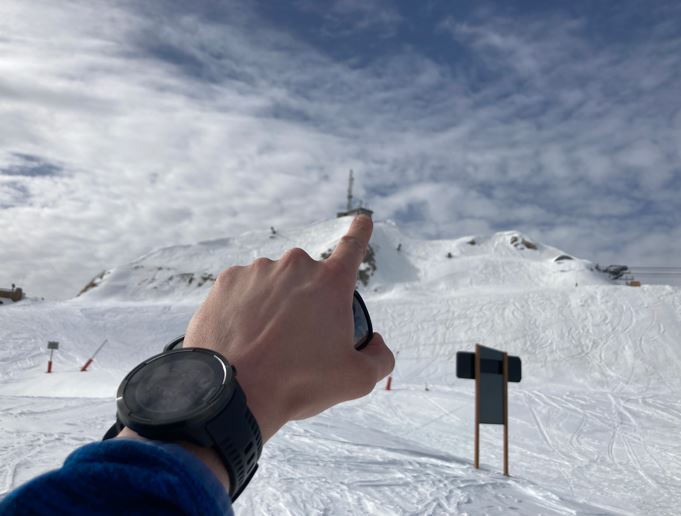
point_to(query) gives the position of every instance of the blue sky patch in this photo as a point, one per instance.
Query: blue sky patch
(29, 165)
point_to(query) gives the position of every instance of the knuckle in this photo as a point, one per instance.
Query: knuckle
(228, 275)
(261, 262)
(352, 241)
(336, 270)
(296, 255)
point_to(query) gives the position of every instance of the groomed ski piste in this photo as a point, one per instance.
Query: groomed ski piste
(594, 424)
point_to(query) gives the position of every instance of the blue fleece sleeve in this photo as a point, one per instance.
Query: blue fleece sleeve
(123, 476)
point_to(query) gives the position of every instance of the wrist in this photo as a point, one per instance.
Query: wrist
(263, 400)
(206, 455)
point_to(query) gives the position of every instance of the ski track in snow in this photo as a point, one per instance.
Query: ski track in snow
(594, 424)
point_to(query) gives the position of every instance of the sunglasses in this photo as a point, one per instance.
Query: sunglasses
(363, 328)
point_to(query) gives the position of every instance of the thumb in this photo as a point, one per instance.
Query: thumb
(380, 356)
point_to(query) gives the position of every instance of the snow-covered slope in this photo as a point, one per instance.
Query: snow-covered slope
(592, 424)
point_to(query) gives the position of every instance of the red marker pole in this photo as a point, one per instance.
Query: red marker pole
(89, 360)
(51, 345)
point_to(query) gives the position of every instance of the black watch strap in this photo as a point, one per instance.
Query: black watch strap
(113, 430)
(241, 446)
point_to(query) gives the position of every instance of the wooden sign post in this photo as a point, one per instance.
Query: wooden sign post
(505, 413)
(477, 406)
(491, 370)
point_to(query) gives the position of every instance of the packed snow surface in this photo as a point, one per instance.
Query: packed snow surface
(594, 424)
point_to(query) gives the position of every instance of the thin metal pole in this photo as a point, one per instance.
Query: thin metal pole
(477, 406)
(99, 348)
(506, 414)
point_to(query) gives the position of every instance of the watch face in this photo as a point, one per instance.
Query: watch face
(172, 386)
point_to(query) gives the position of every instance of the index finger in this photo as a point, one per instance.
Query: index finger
(352, 247)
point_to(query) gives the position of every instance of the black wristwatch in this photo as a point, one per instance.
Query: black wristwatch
(191, 394)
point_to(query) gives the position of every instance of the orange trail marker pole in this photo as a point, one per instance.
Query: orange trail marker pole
(51, 345)
(89, 360)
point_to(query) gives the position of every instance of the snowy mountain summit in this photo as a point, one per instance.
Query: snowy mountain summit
(503, 260)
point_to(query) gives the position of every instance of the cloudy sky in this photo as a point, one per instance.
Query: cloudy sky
(130, 125)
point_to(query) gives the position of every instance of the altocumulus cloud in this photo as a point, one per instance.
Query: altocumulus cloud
(133, 125)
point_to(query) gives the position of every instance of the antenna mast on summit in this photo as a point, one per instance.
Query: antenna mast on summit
(350, 211)
(350, 181)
